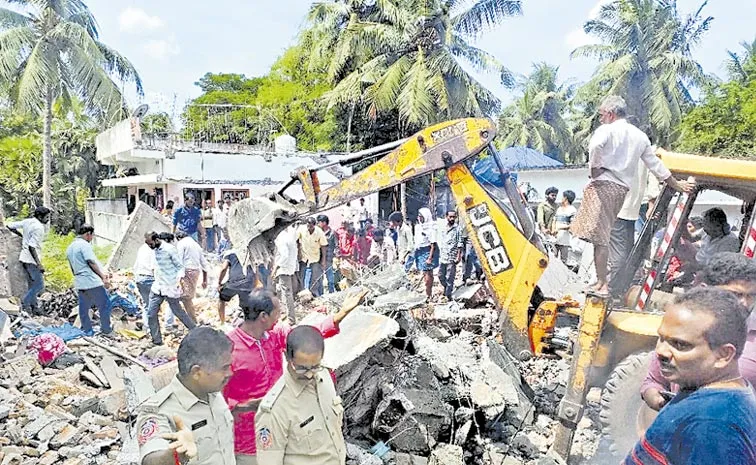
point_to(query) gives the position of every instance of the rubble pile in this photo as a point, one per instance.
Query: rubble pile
(58, 304)
(442, 390)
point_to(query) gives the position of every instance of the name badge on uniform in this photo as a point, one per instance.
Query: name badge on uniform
(306, 422)
(199, 425)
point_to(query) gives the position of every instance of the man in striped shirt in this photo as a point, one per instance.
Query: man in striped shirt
(169, 269)
(712, 420)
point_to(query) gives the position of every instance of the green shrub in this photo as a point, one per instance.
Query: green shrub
(58, 276)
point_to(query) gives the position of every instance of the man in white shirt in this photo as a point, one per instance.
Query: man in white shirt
(404, 243)
(32, 235)
(144, 273)
(615, 150)
(219, 221)
(562, 221)
(284, 268)
(194, 262)
(382, 250)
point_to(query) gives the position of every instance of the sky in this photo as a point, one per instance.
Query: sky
(173, 43)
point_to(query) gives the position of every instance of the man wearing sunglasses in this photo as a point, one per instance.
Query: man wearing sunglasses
(300, 419)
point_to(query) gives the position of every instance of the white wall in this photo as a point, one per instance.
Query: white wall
(575, 179)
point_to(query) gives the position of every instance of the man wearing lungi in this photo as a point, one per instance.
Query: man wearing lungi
(614, 152)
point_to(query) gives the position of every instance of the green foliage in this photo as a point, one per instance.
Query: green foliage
(51, 52)
(20, 166)
(645, 55)
(156, 123)
(58, 275)
(725, 122)
(537, 118)
(285, 101)
(405, 55)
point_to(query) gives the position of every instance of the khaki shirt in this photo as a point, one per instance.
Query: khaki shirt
(211, 423)
(300, 423)
(310, 244)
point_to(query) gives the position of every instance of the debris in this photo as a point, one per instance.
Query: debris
(96, 372)
(112, 372)
(360, 456)
(116, 352)
(447, 455)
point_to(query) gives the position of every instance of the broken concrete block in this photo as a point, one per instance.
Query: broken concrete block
(421, 414)
(32, 429)
(138, 388)
(143, 218)
(357, 333)
(361, 456)
(113, 374)
(67, 436)
(409, 459)
(460, 436)
(474, 295)
(396, 300)
(447, 454)
(49, 458)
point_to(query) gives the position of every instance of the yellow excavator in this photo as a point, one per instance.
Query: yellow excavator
(612, 340)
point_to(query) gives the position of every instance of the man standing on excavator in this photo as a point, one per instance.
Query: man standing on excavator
(615, 150)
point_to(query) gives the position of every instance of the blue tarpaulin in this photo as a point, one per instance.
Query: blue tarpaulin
(512, 159)
(67, 331)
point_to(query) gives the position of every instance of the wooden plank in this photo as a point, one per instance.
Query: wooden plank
(112, 372)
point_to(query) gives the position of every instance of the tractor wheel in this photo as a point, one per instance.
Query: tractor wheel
(624, 415)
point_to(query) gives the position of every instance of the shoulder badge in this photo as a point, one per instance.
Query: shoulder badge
(264, 439)
(147, 430)
(270, 398)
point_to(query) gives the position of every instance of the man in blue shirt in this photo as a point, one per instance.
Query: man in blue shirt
(187, 219)
(713, 418)
(89, 280)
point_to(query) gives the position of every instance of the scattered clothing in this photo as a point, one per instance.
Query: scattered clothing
(48, 348)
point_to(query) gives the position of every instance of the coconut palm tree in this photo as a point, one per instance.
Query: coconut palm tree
(407, 55)
(645, 55)
(537, 118)
(736, 63)
(49, 50)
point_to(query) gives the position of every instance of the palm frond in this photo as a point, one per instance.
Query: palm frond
(599, 51)
(415, 103)
(485, 14)
(38, 75)
(15, 45)
(386, 89)
(10, 18)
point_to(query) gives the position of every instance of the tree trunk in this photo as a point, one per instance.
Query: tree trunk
(47, 152)
(349, 129)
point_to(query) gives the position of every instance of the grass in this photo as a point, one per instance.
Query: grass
(58, 276)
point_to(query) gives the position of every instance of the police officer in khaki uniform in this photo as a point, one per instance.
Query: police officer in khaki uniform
(299, 420)
(188, 422)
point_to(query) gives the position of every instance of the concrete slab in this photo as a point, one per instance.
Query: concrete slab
(142, 220)
(12, 274)
(360, 331)
(558, 281)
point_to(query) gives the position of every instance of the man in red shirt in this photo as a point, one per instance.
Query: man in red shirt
(257, 361)
(346, 240)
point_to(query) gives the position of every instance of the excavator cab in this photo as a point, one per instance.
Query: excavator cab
(615, 337)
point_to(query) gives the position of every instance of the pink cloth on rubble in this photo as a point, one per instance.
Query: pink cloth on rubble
(48, 347)
(256, 365)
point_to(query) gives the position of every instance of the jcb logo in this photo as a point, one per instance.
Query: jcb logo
(495, 253)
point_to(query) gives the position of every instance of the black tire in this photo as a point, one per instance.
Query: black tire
(624, 415)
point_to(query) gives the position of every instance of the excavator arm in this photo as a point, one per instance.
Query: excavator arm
(500, 226)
